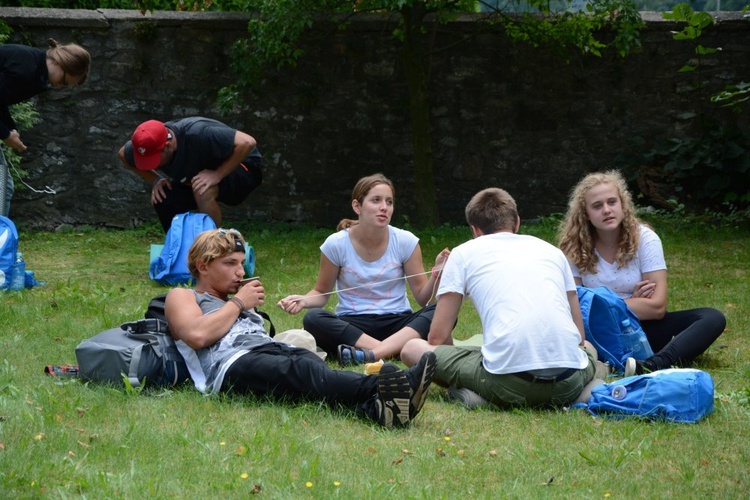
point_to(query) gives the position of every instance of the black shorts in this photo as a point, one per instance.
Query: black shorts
(233, 190)
(235, 187)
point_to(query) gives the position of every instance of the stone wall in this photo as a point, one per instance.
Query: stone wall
(503, 114)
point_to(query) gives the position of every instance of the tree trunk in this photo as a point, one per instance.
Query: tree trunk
(417, 77)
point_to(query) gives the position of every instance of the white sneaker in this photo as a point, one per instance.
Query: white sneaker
(630, 367)
(467, 397)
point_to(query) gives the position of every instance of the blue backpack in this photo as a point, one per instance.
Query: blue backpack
(612, 327)
(169, 261)
(8, 250)
(681, 395)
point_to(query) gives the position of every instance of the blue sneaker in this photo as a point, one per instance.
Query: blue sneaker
(350, 355)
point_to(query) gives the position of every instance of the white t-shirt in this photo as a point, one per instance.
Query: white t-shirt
(518, 285)
(384, 290)
(622, 280)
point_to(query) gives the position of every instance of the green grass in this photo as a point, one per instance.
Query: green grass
(63, 439)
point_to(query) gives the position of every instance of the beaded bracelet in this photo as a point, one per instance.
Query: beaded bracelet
(238, 302)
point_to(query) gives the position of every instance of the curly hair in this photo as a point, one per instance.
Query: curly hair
(363, 186)
(213, 244)
(576, 235)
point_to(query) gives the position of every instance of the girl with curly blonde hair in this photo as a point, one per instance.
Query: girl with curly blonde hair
(607, 245)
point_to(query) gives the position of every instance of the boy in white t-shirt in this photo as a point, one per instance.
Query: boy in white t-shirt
(533, 351)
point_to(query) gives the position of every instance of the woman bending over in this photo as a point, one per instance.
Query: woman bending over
(28, 71)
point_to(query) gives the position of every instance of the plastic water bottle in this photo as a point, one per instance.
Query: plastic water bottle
(18, 277)
(636, 341)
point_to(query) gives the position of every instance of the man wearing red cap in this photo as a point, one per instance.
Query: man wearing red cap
(193, 164)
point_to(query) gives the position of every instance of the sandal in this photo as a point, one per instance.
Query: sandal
(350, 355)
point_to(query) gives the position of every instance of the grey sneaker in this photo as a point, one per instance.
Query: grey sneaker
(467, 397)
(420, 377)
(394, 397)
(603, 370)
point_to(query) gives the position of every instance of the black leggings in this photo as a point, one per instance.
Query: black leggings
(681, 336)
(330, 330)
(283, 371)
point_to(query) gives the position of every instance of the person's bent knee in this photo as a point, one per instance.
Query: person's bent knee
(590, 347)
(313, 319)
(412, 351)
(209, 195)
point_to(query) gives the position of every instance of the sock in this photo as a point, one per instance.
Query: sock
(363, 356)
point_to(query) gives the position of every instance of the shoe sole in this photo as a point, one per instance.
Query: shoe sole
(428, 365)
(393, 398)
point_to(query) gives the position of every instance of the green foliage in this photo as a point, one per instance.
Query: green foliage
(709, 172)
(733, 96)
(25, 115)
(275, 34)
(695, 23)
(560, 30)
(5, 31)
(145, 31)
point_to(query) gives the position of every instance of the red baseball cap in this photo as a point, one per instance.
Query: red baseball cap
(149, 140)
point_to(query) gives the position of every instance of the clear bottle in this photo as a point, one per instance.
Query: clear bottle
(636, 341)
(18, 276)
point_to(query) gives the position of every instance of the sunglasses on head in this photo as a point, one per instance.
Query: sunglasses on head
(236, 235)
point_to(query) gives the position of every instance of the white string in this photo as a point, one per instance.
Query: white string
(46, 190)
(362, 286)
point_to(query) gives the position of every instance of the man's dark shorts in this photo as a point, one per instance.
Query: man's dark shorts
(235, 187)
(233, 190)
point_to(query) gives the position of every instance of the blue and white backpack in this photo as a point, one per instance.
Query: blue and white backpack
(604, 313)
(168, 262)
(8, 250)
(682, 395)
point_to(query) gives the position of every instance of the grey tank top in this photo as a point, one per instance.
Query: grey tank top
(208, 366)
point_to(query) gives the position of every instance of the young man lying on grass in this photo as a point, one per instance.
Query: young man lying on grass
(227, 349)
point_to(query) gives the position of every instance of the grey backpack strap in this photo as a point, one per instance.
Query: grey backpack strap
(135, 362)
(143, 330)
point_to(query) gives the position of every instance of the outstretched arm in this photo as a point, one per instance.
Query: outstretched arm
(159, 184)
(327, 275)
(422, 287)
